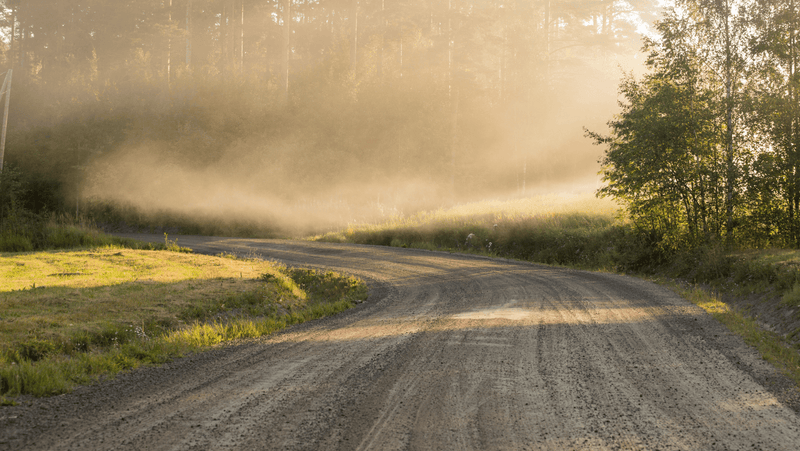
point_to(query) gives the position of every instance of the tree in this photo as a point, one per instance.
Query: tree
(775, 87)
(662, 158)
(721, 41)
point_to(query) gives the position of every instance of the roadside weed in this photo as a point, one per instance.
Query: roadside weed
(792, 296)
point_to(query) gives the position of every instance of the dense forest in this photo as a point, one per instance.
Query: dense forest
(707, 145)
(247, 106)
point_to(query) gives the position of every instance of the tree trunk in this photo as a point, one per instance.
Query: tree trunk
(501, 70)
(450, 48)
(453, 139)
(729, 157)
(382, 20)
(547, 42)
(401, 54)
(169, 44)
(794, 127)
(354, 48)
(189, 33)
(13, 36)
(222, 38)
(241, 39)
(287, 48)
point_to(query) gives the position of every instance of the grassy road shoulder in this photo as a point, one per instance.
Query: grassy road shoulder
(67, 318)
(775, 348)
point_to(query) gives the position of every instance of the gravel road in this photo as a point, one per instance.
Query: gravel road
(449, 352)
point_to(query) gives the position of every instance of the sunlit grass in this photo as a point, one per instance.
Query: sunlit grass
(68, 317)
(578, 230)
(112, 266)
(206, 334)
(544, 208)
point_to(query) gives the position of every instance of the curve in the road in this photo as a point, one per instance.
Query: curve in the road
(449, 352)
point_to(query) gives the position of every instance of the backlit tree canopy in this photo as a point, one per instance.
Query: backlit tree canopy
(707, 143)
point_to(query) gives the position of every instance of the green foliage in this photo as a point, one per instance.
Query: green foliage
(663, 159)
(12, 190)
(577, 239)
(740, 274)
(172, 245)
(705, 148)
(792, 296)
(202, 335)
(22, 229)
(11, 242)
(35, 350)
(775, 115)
(328, 285)
(33, 233)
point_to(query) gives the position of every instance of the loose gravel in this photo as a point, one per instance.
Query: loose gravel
(449, 352)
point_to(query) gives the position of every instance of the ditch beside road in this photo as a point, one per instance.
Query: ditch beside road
(449, 352)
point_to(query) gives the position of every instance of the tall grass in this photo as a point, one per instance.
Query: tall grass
(23, 232)
(576, 230)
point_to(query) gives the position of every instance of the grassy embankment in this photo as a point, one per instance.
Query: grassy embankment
(70, 317)
(585, 232)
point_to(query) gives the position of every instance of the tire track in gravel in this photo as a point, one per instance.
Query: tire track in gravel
(449, 352)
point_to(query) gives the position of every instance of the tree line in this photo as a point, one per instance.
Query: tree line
(707, 144)
(462, 94)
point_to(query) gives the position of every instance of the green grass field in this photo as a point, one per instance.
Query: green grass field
(68, 317)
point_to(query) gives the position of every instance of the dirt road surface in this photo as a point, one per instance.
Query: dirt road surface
(449, 352)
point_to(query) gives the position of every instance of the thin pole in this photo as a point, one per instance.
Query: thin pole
(6, 91)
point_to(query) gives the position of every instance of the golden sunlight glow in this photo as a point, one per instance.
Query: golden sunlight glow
(504, 316)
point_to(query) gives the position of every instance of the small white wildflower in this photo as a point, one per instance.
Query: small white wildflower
(469, 237)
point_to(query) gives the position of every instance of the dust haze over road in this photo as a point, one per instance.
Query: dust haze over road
(449, 352)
